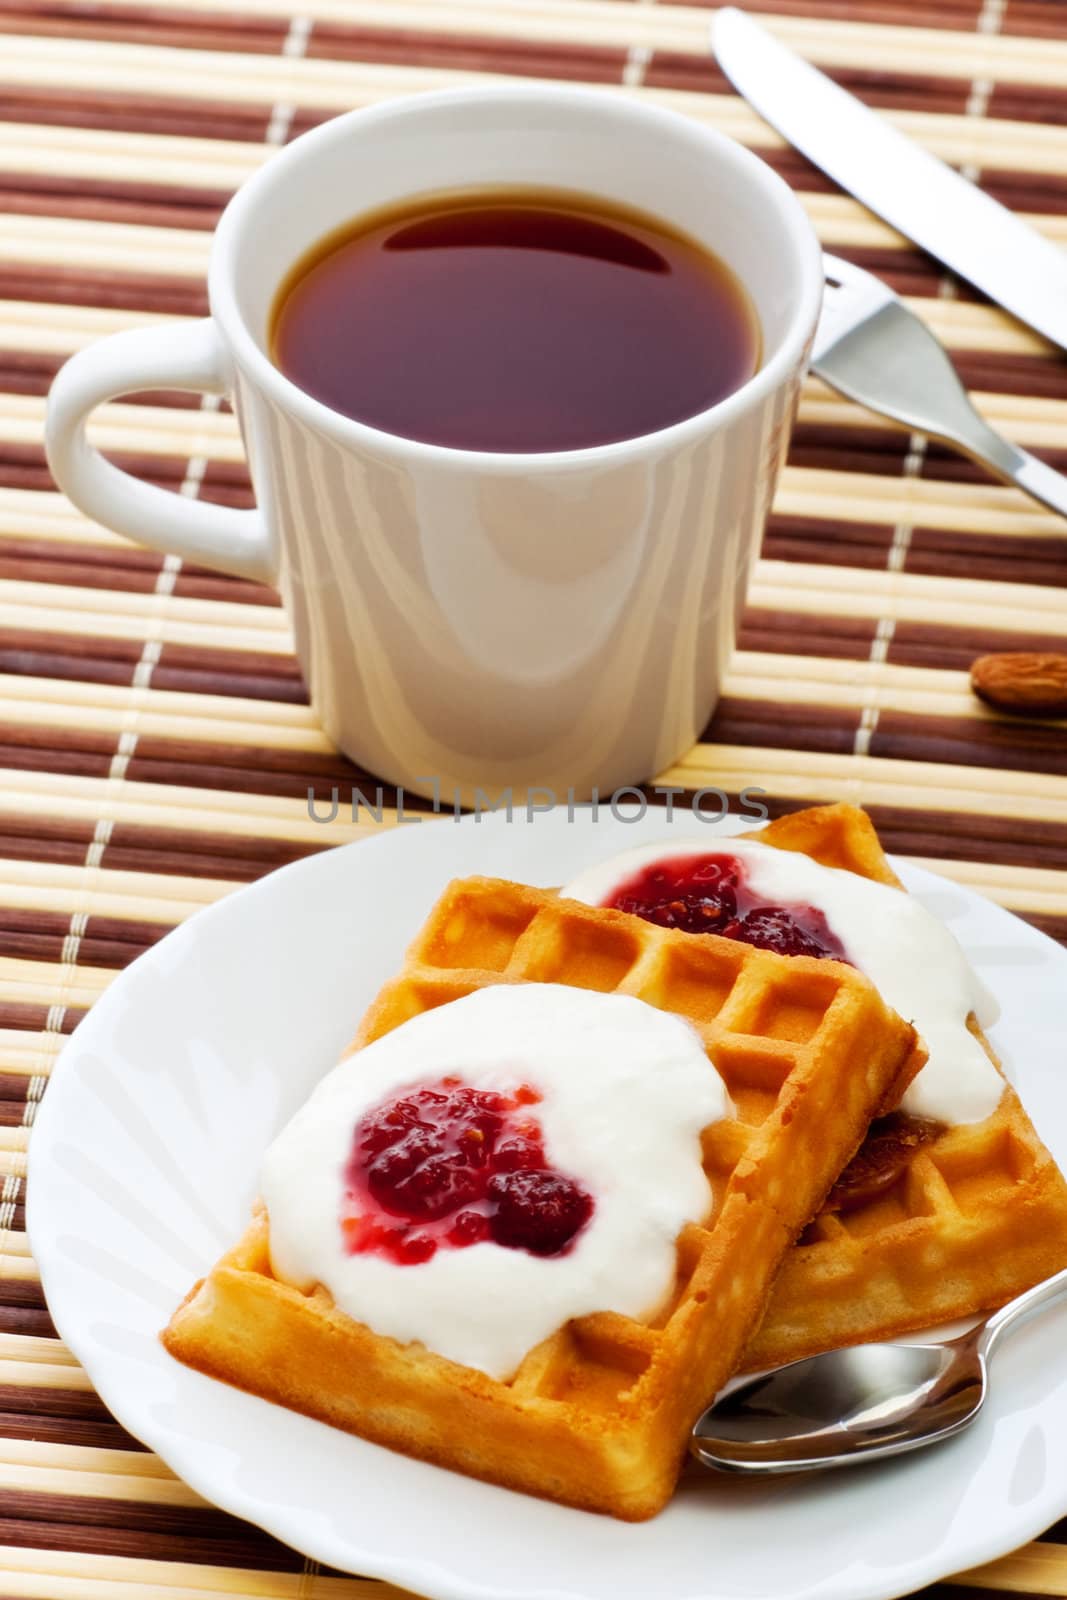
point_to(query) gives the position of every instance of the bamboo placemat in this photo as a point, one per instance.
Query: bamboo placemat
(156, 745)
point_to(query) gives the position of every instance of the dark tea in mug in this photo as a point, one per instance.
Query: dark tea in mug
(514, 320)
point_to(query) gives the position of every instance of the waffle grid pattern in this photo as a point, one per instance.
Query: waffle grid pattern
(605, 1404)
(977, 1215)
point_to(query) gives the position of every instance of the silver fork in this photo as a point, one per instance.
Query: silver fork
(873, 349)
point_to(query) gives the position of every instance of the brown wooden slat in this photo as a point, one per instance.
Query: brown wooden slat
(190, 668)
(103, 1435)
(126, 1528)
(34, 1018)
(953, 14)
(762, 722)
(887, 91)
(49, 947)
(1020, 745)
(123, 112)
(90, 286)
(333, 41)
(44, 1402)
(153, 205)
(35, 1323)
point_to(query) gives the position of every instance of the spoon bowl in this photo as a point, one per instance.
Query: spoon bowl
(860, 1403)
(823, 1412)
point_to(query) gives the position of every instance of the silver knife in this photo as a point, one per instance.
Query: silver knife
(912, 190)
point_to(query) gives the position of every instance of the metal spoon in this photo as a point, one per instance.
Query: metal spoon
(858, 1404)
(873, 348)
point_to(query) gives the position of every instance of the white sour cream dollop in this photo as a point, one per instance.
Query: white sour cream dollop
(911, 958)
(626, 1091)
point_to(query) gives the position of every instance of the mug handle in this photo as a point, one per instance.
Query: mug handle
(187, 357)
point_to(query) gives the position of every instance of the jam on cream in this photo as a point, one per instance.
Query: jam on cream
(444, 1166)
(618, 1093)
(911, 957)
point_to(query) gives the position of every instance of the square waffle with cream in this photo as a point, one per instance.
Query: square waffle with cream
(597, 1414)
(926, 1225)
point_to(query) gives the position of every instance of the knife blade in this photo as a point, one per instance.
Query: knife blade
(897, 179)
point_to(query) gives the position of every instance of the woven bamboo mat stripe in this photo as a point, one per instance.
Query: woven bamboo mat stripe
(156, 747)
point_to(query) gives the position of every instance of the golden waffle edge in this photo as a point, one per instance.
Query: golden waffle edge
(598, 1414)
(977, 1215)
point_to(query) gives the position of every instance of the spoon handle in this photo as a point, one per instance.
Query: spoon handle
(1017, 1310)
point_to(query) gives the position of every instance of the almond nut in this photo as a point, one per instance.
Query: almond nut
(1023, 681)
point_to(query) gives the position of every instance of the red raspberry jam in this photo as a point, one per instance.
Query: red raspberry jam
(709, 894)
(445, 1165)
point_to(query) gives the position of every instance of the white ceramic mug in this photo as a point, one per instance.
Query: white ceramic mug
(468, 620)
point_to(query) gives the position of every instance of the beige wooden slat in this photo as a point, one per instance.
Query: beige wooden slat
(50, 517)
(918, 786)
(128, 247)
(968, 507)
(105, 891)
(1031, 890)
(47, 1468)
(79, 985)
(50, 329)
(59, 1575)
(135, 429)
(64, 618)
(38, 1375)
(997, 56)
(31, 1574)
(218, 719)
(1029, 420)
(841, 221)
(1036, 1569)
(31, 1479)
(27, 1053)
(44, 1467)
(56, 63)
(125, 157)
(125, 614)
(965, 325)
(45, 516)
(83, 1458)
(683, 28)
(221, 717)
(222, 164)
(907, 596)
(221, 812)
(826, 681)
(52, 1352)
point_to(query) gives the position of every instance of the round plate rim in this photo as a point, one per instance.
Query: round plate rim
(419, 1575)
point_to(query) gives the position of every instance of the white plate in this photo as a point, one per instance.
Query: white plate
(144, 1166)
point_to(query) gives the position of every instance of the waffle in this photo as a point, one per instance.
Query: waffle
(598, 1414)
(977, 1213)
